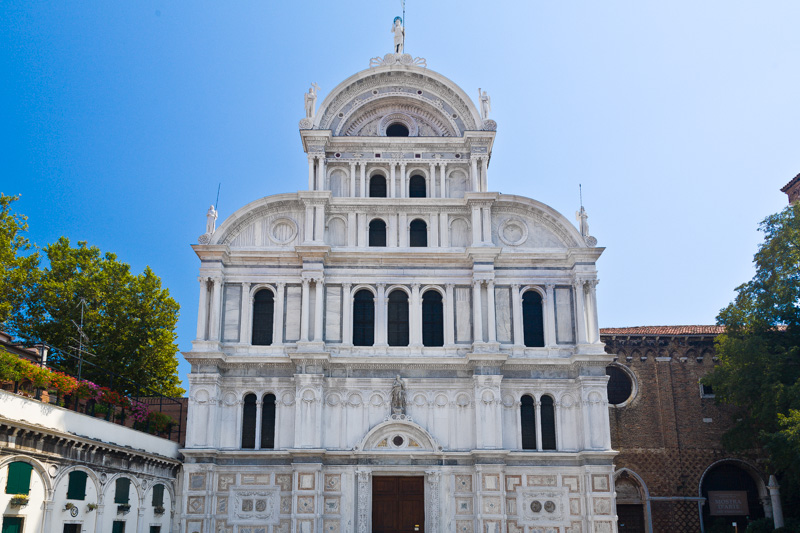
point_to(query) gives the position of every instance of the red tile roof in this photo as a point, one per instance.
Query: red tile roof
(794, 180)
(664, 330)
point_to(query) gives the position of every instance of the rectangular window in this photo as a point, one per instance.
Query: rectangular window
(121, 494)
(158, 496)
(19, 478)
(72, 528)
(118, 527)
(12, 524)
(76, 490)
(706, 391)
(155, 529)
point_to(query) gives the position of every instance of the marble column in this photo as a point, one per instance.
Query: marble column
(392, 187)
(775, 499)
(364, 500)
(484, 173)
(347, 315)
(477, 316)
(308, 229)
(474, 173)
(259, 406)
(363, 179)
(580, 312)
(591, 308)
(244, 320)
(402, 230)
(202, 309)
(363, 236)
(538, 409)
(304, 312)
(278, 312)
(319, 287)
(449, 316)
(442, 184)
(432, 188)
(321, 172)
(476, 225)
(351, 228)
(487, 225)
(415, 317)
(352, 180)
(311, 172)
(492, 322)
(392, 229)
(444, 234)
(516, 313)
(216, 307)
(319, 223)
(380, 316)
(432, 512)
(433, 231)
(403, 184)
(549, 304)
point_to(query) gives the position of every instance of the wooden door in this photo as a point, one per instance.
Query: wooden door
(398, 504)
(630, 518)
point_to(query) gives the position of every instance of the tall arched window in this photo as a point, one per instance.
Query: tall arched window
(377, 186)
(418, 233)
(363, 318)
(249, 421)
(533, 319)
(527, 418)
(268, 422)
(548, 414)
(263, 313)
(398, 318)
(432, 319)
(416, 187)
(377, 232)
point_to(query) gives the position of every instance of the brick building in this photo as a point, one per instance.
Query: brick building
(668, 430)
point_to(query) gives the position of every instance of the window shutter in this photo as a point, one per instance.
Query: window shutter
(118, 527)
(19, 478)
(158, 496)
(121, 493)
(76, 490)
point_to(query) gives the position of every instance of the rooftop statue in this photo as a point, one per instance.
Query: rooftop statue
(311, 100)
(211, 220)
(485, 103)
(399, 35)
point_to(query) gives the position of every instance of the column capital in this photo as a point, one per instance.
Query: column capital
(305, 282)
(203, 279)
(515, 286)
(449, 285)
(381, 286)
(216, 279)
(550, 286)
(280, 284)
(592, 283)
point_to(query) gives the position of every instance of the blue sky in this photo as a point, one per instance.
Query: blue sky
(680, 119)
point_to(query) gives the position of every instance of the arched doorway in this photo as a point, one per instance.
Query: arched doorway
(632, 513)
(733, 492)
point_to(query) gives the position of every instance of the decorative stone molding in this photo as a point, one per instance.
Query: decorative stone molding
(406, 60)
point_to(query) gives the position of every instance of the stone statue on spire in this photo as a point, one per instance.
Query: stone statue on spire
(485, 102)
(311, 100)
(399, 35)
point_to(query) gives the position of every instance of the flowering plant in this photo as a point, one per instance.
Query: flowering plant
(139, 411)
(62, 382)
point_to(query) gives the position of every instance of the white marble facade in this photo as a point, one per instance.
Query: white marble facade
(461, 426)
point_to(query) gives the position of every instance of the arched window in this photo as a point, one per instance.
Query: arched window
(730, 476)
(377, 186)
(416, 187)
(268, 422)
(19, 478)
(548, 414)
(76, 486)
(263, 312)
(398, 318)
(249, 421)
(432, 319)
(418, 233)
(158, 496)
(377, 232)
(532, 319)
(363, 319)
(527, 418)
(397, 130)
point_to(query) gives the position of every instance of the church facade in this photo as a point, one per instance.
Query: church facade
(397, 348)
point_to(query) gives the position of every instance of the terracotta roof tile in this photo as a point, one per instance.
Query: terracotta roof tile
(664, 330)
(786, 187)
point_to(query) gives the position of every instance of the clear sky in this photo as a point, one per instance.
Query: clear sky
(681, 120)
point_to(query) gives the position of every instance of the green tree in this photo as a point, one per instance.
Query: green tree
(759, 354)
(19, 261)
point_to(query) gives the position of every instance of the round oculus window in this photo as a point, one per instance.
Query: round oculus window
(620, 385)
(397, 440)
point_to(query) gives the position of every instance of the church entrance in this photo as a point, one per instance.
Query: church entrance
(398, 504)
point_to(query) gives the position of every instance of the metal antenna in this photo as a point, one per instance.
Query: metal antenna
(81, 337)
(216, 204)
(580, 192)
(404, 24)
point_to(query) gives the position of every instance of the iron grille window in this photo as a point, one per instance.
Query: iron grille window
(619, 385)
(263, 314)
(377, 232)
(158, 496)
(527, 416)
(432, 319)
(363, 319)
(548, 415)
(416, 187)
(76, 487)
(377, 186)
(268, 422)
(249, 422)
(19, 478)
(418, 233)
(532, 319)
(398, 318)
(122, 491)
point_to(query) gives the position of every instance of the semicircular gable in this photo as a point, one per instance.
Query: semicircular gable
(430, 89)
(519, 222)
(267, 222)
(368, 119)
(398, 435)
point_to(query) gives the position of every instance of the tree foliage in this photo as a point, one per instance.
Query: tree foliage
(18, 268)
(759, 354)
(129, 320)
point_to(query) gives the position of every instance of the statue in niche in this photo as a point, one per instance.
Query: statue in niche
(398, 397)
(485, 103)
(211, 220)
(399, 35)
(311, 100)
(581, 217)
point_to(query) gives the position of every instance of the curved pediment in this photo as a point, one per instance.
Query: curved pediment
(438, 100)
(523, 223)
(398, 434)
(275, 221)
(421, 119)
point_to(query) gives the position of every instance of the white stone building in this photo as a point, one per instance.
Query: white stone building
(397, 261)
